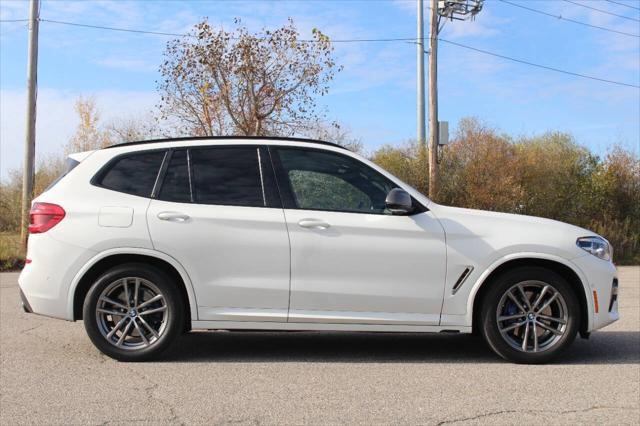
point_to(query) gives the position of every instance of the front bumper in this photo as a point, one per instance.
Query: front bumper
(602, 279)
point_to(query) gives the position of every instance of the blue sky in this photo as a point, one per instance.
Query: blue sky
(374, 96)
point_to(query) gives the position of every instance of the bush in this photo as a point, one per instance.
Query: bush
(11, 252)
(550, 176)
(479, 170)
(408, 162)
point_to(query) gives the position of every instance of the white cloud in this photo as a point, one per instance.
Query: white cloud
(56, 120)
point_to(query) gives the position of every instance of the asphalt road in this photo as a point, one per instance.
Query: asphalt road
(51, 374)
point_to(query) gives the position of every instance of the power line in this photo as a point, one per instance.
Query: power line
(540, 65)
(13, 20)
(128, 30)
(366, 40)
(602, 10)
(623, 4)
(568, 19)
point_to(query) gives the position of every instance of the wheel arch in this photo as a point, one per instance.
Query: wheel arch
(107, 259)
(560, 266)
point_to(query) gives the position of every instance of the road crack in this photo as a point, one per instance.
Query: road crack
(151, 396)
(534, 412)
(31, 329)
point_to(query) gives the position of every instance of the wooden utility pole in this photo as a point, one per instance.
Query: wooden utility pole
(433, 100)
(420, 76)
(28, 169)
(448, 9)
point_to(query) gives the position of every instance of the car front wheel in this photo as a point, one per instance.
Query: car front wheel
(530, 315)
(132, 312)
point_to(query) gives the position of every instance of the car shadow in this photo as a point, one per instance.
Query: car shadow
(615, 347)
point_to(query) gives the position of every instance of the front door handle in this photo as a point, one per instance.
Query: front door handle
(313, 224)
(173, 216)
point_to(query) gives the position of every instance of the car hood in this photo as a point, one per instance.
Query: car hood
(493, 234)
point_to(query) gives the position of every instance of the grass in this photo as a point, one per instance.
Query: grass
(11, 252)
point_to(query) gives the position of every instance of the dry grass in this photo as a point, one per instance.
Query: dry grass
(11, 252)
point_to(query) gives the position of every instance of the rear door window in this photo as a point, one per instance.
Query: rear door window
(134, 174)
(227, 176)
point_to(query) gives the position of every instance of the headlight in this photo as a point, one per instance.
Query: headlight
(597, 246)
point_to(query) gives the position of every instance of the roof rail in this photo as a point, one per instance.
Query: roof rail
(200, 138)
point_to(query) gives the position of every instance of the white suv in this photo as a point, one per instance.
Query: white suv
(144, 241)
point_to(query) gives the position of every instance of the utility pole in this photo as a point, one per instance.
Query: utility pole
(433, 100)
(420, 51)
(28, 170)
(448, 9)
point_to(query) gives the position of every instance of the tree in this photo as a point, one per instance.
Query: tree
(88, 136)
(333, 132)
(216, 82)
(130, 129)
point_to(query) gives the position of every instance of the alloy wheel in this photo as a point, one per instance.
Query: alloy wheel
(131, 313)
(532, 316)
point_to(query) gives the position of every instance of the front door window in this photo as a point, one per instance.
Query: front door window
(324, 180)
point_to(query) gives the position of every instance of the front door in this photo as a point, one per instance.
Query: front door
(217, 213)
(352, 261)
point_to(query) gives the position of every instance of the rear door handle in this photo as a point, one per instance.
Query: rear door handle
(313, 224)
(173, 216)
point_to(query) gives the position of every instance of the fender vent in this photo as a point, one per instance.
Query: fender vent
(463, 277)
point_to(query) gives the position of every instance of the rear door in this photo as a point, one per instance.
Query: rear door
(218, 213)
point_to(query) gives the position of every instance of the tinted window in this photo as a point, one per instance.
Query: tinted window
(227, 175)
(323, 180)
(134, 174)
(175, 186)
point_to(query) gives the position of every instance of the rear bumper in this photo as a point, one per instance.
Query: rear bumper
(44, 282)
(25, 303)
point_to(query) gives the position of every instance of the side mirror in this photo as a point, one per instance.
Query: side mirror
(399, 201)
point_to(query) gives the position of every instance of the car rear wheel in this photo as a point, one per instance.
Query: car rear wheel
(530, 315)
(133, 312)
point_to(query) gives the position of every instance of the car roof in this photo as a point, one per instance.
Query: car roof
(228, 138)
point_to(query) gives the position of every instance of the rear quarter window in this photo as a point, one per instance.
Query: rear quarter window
(133, 174)
(69, 165)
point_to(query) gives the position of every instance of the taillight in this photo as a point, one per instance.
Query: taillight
(44, 216)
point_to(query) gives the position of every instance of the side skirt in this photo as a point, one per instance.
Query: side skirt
(292, 326)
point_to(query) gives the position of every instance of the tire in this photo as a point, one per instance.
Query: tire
(144, 328)
(525, 333)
